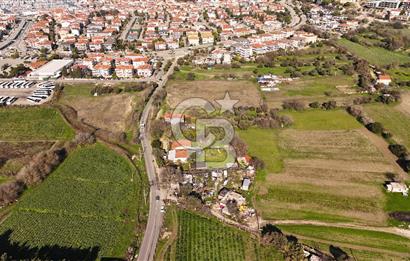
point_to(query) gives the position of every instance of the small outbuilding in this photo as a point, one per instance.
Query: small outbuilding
(245, 184)
(396, 187)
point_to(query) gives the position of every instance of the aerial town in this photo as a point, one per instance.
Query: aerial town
(204, 130)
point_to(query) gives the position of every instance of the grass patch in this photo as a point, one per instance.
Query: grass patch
(263, 143)
(315, 86)
(365, 238)
(33, 123)
(322, 120)
(92, 194)
(396, 202)
(374, 55)
(393, 120)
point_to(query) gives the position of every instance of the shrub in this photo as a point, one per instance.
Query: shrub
(375, 127)
(190, 76)
(293, 105)
(330, 105)
(398, 150)
(314, 105)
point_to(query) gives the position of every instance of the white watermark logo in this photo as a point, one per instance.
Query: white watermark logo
(210, 150)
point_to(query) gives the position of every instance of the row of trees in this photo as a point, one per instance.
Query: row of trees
(399, 150)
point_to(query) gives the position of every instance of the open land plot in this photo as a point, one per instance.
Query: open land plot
(204, 238)
(96, 197)
(340, 88)
(316, 86)
(322, 120)
(393, 119)
(329, 171)
(374, 55)
(244, 91)
(33, 124)
(245, 72)
(111, 112)
(362, 244)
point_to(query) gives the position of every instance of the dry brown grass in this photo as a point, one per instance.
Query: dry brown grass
(244, 91)
(111, 112)
(404, 106)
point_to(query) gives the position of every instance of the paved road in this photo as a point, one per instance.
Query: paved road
(15, 34)
(128, 27)
(297, 20)
(155, 217)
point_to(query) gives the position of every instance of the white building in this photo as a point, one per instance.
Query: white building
(397, 187)
(51, 70)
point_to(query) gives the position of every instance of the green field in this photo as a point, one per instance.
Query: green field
(317, 86)
(374, 55)
(202, 238)
(91, 200)
(322, 120)
(346, 238)
(262, 143)
(33, 123)
(393, 120)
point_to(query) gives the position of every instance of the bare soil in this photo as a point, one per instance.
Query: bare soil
(245, 91)
(404, 106)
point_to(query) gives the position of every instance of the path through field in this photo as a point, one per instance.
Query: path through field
(382, 145)
(391, 230)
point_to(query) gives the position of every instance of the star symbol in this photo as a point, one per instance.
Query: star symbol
(227, 103)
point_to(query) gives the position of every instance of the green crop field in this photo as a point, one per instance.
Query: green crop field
(374, 55)
(90, 200)
(203, 238)
(33, 123)
(374, 241)
(323, 120)
(393, 120)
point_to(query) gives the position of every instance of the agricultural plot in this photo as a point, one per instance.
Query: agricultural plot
(374, 55)
(96, 196)
(330, 171)
(397, 122)
(33, 124)
(360, 244)
(245, 91)
(203, 238)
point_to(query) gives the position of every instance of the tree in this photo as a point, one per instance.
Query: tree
(240, 147)
(157, 129)
(329, 105)
(257, 163)
(375, 127)
(190, 76)
(293, 105)
(398, 150)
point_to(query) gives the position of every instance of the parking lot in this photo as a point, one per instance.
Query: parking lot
(22, 92)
